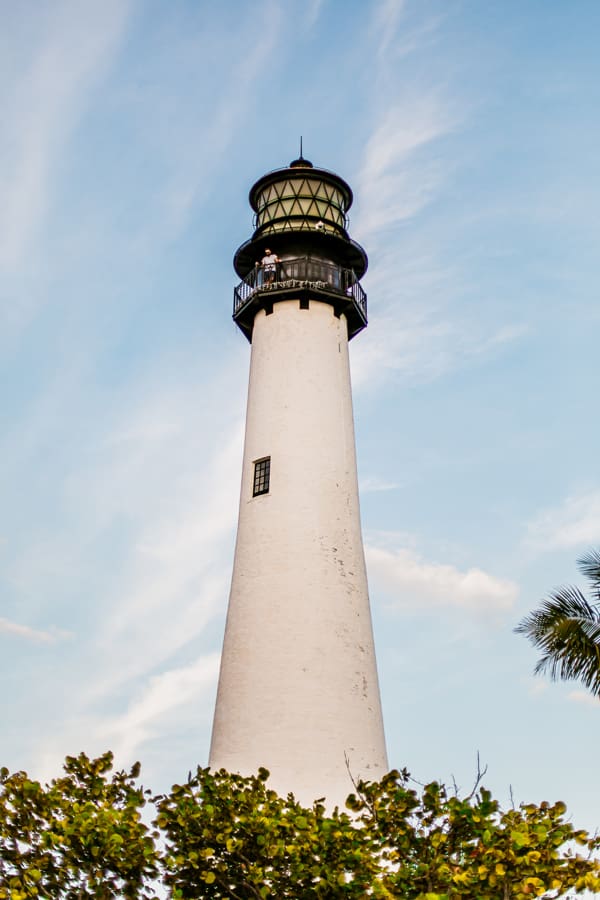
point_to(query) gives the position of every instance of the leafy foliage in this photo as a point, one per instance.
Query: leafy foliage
(566, 628)
(81, 836)
(436, 846)
(229, 836)
(225, 836)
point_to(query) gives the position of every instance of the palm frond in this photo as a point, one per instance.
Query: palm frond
(589, 565)
(566, 629)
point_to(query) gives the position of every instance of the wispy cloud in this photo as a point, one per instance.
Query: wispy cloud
(163, 697)
(313, 11)
(397, 178)
(385, 23)
(583, 697)
(414, 583)
(575, 523)
(172, 475)
(399, 173)
(536, 687)
(42, 106)
(150, 489)
(420, 345)
(31, 634)
(419, 330)
(178, 574)
(372, 484)
(206, 129)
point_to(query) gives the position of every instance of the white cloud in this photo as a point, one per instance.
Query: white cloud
(415, 583)
(575, 523)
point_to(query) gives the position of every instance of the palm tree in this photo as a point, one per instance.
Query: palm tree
(566, 628)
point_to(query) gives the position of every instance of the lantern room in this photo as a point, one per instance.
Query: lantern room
(297, 202)
(300, 247)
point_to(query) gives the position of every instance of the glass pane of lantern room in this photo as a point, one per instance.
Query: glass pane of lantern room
(290, 188)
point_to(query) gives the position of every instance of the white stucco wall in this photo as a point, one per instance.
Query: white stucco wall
(298, 688)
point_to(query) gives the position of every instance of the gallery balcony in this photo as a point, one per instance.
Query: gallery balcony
(300, 278)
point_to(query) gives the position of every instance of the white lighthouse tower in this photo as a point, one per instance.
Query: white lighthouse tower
(298, 690)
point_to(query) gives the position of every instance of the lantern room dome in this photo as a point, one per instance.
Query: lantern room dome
(300, 162)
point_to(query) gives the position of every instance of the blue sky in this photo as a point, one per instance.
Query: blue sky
(131, 133)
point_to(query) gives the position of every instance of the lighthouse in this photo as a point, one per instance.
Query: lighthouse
(298, 691)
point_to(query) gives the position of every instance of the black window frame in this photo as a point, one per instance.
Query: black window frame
(261, 481)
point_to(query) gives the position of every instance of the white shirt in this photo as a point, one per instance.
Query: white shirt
(269, 262)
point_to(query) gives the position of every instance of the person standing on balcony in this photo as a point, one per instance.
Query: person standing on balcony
(269, 264)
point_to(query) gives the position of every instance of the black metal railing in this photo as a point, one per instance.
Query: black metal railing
(300, 272)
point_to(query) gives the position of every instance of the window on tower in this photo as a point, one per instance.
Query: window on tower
(262, 476)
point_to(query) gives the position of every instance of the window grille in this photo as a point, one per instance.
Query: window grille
(262, 476)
